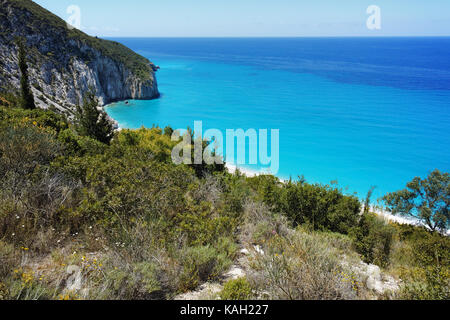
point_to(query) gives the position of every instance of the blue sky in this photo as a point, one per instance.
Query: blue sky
(256, 18)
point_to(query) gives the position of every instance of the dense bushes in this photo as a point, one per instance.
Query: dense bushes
(321, 207)
(58, 184)
(238, 289)
(201, 264)
(157, 229)
(422, 259)
(373, 240)
(24, 149)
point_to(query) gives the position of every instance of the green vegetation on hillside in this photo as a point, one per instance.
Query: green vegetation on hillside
(133, 225)
(38, 18)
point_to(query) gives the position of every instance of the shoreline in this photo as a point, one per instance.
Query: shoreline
(385, 215)
(246, 172)
(115, 123)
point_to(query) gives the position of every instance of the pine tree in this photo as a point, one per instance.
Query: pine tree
(27, 98)
(92, 122)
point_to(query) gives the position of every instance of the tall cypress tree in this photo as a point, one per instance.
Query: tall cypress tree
(27, 98)
(92, 122)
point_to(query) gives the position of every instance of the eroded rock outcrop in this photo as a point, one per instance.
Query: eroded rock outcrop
(65, 63)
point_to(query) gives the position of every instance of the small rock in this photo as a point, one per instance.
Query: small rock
(259, 250)
(245, 252)
(235, 273)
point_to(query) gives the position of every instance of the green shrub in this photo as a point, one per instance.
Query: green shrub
(373, 240)
(418, 247)
(76, 145)
(433, 285)
(38, 118)
(23, 149)
(202, 225)
(4, 292)
(200, 264)
(423, 260)
(432, 250)
(148, 276)
(239, 289)
(140, 281)
(322, 207)
(27, 285)
(8, 259)
(228, 248)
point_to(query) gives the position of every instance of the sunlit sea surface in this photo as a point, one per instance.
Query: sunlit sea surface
(362, 111)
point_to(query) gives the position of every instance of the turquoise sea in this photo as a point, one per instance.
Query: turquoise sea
(362, 111)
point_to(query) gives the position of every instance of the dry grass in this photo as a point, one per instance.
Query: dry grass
(303, 266)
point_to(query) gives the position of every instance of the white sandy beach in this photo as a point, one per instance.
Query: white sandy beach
(247, 172)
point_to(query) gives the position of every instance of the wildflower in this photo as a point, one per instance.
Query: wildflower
(27, 278)
(64, 297)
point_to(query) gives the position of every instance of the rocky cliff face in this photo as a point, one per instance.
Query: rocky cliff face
(64, 64)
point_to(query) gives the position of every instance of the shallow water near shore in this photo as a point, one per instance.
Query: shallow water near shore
(364, 112)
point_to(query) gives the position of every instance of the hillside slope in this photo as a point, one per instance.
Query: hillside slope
(64, 63)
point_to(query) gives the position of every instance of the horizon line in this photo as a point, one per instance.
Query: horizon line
(271, 37)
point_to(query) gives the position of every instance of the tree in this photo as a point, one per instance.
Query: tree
(92, 122)
(27, 98)
(168, 131)
(373, 238)
(426, 199)
(367, 201)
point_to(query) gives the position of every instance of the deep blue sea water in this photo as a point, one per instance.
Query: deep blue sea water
(362, 111)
